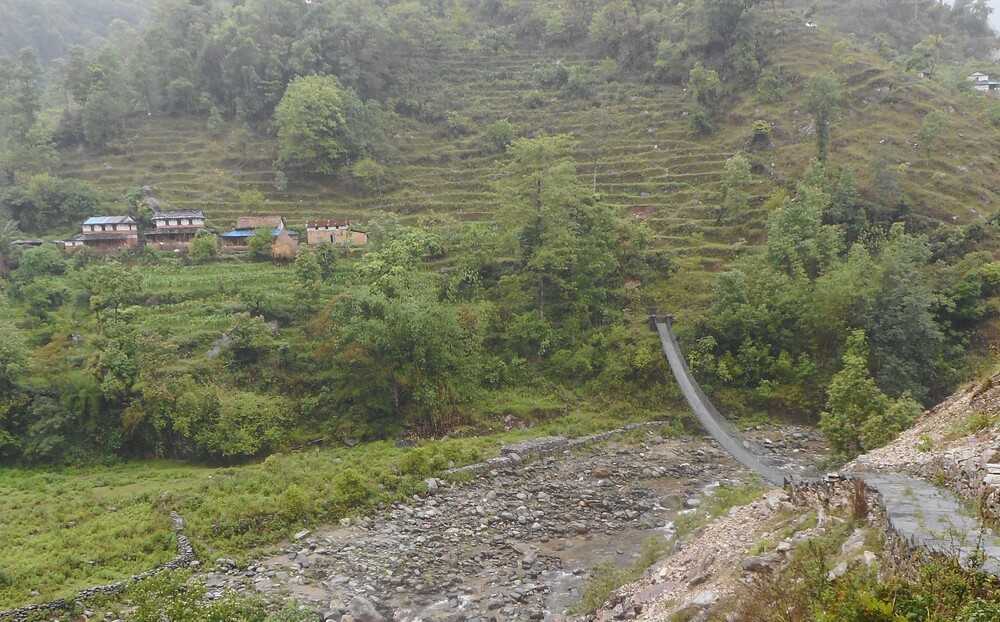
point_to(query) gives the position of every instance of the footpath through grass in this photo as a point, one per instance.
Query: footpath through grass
(66, 529)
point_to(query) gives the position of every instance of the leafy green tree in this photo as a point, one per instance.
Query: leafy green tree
(926, 55)
(204, 247)
(882, 428)
(260, 243)
(111, 287)
(705, 90)
(930, 129)
(308, 274)
(905, 338)
(733, 196)
(216, 123)
(853, 399)
(13, 360)
(370, 175)
(823, 100)
(406, 360)
(8, 233)
(798, 243)
(498, 136)
(103, 117)
(20, 95)
(252, 201)
(311, 121)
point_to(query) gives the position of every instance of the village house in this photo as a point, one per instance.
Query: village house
(107, 234)
(175, 230)
(247, 226)
(982, 83)
(336, 232)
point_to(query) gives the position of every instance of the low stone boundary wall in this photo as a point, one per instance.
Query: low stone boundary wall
(185, 557)
(512, 455)
(854, 495)
(976, 478)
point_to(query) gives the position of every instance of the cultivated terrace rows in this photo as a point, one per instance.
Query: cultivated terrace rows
(633, 145)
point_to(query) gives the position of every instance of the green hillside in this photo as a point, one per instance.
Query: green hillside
(633, 144)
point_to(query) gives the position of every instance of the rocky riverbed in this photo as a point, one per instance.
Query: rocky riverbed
(517, 543)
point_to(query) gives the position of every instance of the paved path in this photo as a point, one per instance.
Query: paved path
(935, 519)
(926, 515)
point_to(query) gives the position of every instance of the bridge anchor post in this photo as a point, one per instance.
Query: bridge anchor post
(655, 317)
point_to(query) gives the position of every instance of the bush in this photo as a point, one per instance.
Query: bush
(994, 114)
(773, 86)
(204, 247)
(580, 84)
(551, 76)
(458, 124)
(700, 121)
(498, 136)
(533, 100)
(369, 175)
(760, 134)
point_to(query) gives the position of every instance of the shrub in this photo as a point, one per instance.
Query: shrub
(700, 121)
(760, 134)
(369, 175)
(773, 86)
(551, 76)
(351, 489)
(533, 100)
(994, 114)
(204, 247)
(607, 70)
(580, 84)
(457, 124)
(498, 136)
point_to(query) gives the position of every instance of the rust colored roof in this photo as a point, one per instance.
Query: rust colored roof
(260, 222)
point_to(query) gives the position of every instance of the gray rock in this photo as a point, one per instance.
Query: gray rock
(362, 610)
(705, 599)
(838, 571)
(758, 563)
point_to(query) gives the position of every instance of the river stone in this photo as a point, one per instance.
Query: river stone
(362, 610)
(705, 599)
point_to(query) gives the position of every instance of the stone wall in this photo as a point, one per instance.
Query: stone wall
(841, 493)
(185, 558)
(511, 455)
(975, 477)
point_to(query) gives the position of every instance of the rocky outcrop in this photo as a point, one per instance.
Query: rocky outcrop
(185, 558)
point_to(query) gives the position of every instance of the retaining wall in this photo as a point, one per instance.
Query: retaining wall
(185, 557)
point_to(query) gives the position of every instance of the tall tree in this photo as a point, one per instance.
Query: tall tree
(823, 98)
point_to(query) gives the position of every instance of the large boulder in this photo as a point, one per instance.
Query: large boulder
(362, 610)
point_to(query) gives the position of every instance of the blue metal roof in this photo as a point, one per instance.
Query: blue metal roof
(109, 220)
(246, 233)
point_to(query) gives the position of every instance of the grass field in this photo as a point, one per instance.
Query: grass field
(66, 529)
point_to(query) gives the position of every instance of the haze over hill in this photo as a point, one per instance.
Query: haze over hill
(295, 271)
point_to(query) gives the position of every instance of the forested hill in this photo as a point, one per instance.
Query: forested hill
(51, 27)
(533, 176)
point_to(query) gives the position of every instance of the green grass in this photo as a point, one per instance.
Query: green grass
(721, 501)
(67, 529)
(607, 578)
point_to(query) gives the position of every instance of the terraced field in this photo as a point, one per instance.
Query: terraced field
(633, 146)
